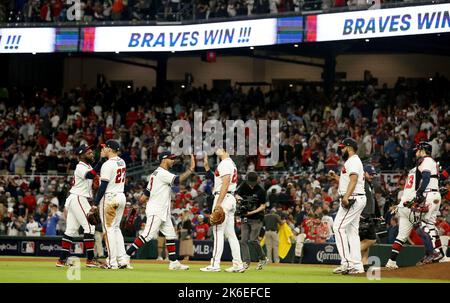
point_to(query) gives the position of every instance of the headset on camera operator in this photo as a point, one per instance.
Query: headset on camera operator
(370, 216)
(251, 205)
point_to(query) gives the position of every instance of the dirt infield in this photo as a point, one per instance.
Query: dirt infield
(440, 271)
(138, 261)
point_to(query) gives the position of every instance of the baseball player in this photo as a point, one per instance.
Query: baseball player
(157, 195)
(421, 185)
(353, 200)
(111, 200)
(406, 218)
(77, 206)
(225, 182)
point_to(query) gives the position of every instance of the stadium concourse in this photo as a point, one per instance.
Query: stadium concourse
(39, 130)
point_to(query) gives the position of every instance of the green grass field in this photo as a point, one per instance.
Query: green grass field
(39, 270)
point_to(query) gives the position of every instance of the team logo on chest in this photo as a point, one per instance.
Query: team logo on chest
(216, 173)
(344, 171)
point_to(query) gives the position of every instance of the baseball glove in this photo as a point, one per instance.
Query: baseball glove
(93, 216)
(218, 216)
(95, 182)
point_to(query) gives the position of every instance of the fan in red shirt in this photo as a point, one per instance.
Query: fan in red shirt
(420, 136)
(332, 160)
(131, 118)
(30, 201)
(443, 226)
(201, 229)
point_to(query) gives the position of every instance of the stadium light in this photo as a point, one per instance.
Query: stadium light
(295, 45)
(367, 40)
(117, 52)
(251, 47)
(182, 86)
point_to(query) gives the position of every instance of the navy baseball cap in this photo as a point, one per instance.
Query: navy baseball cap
(370, 170)
(422, 145)
(349, 142)
(113, 144)
(166, 155)
(83, 148)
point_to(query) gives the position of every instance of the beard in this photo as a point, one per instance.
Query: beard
(345, 155)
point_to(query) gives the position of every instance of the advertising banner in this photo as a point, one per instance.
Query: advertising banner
(314, 253)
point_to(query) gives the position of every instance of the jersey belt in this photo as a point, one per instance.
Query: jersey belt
(228, 192)
(431, 190)
(357, 195)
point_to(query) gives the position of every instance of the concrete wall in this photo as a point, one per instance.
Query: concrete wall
(79, 71)
(387, 68)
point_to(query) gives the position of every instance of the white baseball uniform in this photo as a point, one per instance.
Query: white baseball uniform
(77, 204)
(405, 216)
(432, 200)
(158, 210)
(346, 223)
(226, 229)
(112, 206)
(431, 193)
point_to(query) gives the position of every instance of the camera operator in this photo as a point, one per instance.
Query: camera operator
(369, 216)
(251, 210)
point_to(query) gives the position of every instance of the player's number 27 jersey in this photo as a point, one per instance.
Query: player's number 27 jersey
(114, 171)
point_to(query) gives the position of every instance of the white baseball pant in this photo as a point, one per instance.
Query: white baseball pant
(226, 229)
(346, 230)
(155, 224)
(111, 212)
(77, 209)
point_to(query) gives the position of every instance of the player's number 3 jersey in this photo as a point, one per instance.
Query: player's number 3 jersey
(114, 171)
(225, 167)
(160, 188)
(409, 191)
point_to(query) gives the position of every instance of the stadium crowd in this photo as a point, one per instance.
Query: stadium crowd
(126, 10)
(39, 129)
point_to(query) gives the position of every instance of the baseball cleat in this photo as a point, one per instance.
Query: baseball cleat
(210, 268)
(246, 265)
(437, 257)
(106, 266)
(176, 265)
(391, 264)
(353, 271)
(428, 259)
(340, 269)
(94, 263)
(444, 259)
(60, 263)
(125, 265)
(262, 263)
(235, 268)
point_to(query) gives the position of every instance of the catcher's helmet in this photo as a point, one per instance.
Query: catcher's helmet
(422, 145)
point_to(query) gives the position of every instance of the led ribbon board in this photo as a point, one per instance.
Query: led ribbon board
(416, 20)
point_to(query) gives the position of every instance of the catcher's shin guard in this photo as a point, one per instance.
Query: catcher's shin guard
(66, 245)
(89, 242)
(396, 248)
(170, 245)
(423, 232)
